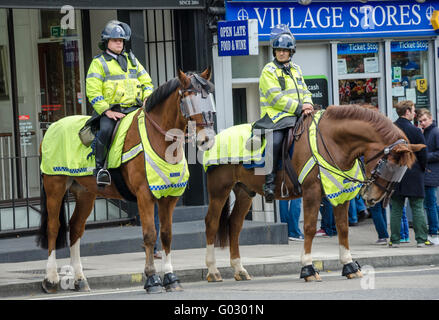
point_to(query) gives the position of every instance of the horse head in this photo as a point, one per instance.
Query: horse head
(385, 169)
(197, 105)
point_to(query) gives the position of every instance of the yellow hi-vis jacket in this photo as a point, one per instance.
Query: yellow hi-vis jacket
(107, 83)
(281, 95)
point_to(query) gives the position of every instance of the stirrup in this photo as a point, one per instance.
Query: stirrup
(103, 178)
(282, 188)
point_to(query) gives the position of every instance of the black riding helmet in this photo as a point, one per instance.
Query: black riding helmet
(114, 30)
(282, 38)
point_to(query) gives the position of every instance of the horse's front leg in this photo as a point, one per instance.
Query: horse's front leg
(166, 209)
(145, 204)
(311, 205)
(350, 269)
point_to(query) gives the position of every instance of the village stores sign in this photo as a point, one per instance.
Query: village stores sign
(336, 19)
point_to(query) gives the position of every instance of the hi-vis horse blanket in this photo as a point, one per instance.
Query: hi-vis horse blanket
(229, 147)
(64, 154)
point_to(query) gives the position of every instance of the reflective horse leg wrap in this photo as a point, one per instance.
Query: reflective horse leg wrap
(153, 283)
(307, 271)
(169, 279)
(350, 268)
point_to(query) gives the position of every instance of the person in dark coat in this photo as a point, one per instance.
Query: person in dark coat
(431, 134)
(412, 184)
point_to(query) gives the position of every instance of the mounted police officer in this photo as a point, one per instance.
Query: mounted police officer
(116, 85)
(284, 96)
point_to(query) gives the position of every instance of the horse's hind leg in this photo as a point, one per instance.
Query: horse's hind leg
(219, 188)
(83, 207)
(240, 209)
(54, 188)
(166, 209)
(350, 269)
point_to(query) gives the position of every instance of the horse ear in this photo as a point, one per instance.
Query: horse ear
(206, 74)
(417, 147)
(401, 148)
(184, 80)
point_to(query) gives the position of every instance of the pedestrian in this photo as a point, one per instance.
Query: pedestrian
(357, 211)
(327, 224)
(412, 184)
(405, 231)
(290, 214)
(379, 217)
(284, 96)
(116, 84)
(431, 182)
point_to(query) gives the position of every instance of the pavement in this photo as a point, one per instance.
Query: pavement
(122, 270)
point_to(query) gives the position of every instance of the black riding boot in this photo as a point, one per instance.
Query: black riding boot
(101, 173)
(270, 187)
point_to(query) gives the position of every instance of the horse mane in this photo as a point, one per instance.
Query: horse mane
(382, 124)
(161, 93)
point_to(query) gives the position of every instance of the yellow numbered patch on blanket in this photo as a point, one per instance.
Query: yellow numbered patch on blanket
(62, 152)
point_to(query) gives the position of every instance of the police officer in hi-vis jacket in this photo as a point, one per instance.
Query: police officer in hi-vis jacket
(284, 96)
(116, 84)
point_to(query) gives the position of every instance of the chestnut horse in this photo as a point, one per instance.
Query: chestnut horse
(164, 111)
(348, 132)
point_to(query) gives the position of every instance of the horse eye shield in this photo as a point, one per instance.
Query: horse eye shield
(389, 171)
(195, 104)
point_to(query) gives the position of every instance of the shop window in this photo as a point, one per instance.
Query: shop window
(357, 58)
(55, 24)
(4, 87)
(359, 91)
(410, 72)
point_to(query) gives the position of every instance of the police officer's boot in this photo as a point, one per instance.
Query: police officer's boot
(269, 187)
(101, 173)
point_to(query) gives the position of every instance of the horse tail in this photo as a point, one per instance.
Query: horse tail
(223, 230)
(42, 238)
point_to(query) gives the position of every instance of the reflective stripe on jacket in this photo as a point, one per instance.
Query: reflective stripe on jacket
(107, 83)
(280, 102)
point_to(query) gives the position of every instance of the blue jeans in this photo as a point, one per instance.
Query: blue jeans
(379, 218)
(157, 226)
(404, 225)
(356, 205)
(328, 220)
(430, 204)
(291, 216)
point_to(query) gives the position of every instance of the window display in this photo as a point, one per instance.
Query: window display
(357, 91)
(410, 72)
(357, 58)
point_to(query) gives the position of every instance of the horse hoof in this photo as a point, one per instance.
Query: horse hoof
(316, 277)
(153, 284)
(81, 285)
(174, 287)
(49, 287)
(171, 282)
(355, 275)
(214, 277)
(242, 276)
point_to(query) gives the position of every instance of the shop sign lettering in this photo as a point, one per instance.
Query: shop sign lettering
(334, 20)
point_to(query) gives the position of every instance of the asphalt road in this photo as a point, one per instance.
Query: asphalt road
(403, 283)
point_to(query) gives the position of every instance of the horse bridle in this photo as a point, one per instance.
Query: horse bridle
(198, 86)
(386, 171)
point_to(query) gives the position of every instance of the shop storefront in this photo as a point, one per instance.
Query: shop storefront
(377, 52)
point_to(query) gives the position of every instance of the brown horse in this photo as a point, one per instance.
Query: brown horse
(348, 132)
(164, 111)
